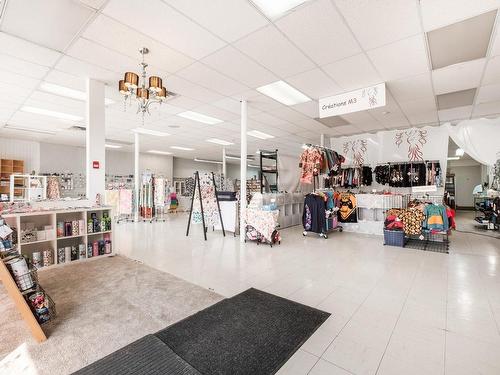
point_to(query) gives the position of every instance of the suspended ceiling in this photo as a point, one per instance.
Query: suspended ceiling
(214, 53)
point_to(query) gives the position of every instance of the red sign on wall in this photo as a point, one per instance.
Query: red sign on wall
(95, 164)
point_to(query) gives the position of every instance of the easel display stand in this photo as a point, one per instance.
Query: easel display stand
(197, 188)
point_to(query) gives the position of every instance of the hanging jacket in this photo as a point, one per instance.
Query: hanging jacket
(436, 217)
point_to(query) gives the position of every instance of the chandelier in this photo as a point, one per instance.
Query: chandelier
(133, 86)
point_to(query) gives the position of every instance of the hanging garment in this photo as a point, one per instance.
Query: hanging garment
(347, 208)
(125, 203)
(310, 162)
(367, 177)
(314, 214)
(53, 188)
(436, 217)
(159, 192)
(412, 219)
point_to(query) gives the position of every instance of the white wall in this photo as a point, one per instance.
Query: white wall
(233, 171)
(186, 167)
(466, 178)
(18, 149)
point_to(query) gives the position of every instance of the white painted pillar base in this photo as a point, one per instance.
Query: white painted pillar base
(243, 170)
(95, 140)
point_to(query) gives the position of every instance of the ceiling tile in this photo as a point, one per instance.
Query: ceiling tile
(411, 88)
(51, 23)
(93, 53)
(484, 109)
(96, 4)
(380, 22)
(492, 72)
(401, 59)
(230, 20)
(310, 108)
(18, 80)
(158, 20)
(490, 93)
(462, 41)
(353, 73)
(315, 84)
(333, 121)
(211, 79)
(24, 50)
(439, 13)
(15, 65)
(347, 130)
(420, 118)
(76, 67)
(319, 31)
(458, 77)
(456, 99)
(266, 118)
(271, 49)
(66, 79)
(459, 113)
(415, 106)
(236, 65)
(127, 41)
(183, 87)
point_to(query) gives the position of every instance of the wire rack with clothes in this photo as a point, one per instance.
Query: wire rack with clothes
(409, 174)
(320, 213)
(351, 177)
(316, 160)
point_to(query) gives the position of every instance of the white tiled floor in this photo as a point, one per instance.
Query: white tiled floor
(394, 311)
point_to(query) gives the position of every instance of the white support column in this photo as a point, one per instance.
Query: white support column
(95, 139)
(224, 167)
(136, 176)
(243, 170)
(322, 140)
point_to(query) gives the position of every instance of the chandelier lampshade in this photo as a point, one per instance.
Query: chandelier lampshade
(142, 93)
(122, 88)
(155, 83)
(131, 80)
(162, 94)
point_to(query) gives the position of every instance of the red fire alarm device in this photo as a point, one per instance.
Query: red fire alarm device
(95, 164)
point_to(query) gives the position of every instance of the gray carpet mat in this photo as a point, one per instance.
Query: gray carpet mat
(251, 333)
(146, 356)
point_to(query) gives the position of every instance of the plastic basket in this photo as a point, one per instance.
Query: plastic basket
(394, 238)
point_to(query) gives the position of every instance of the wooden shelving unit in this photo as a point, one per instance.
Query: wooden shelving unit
(7, 168)
(53, 242)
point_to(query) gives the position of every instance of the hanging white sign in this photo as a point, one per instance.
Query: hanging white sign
(354, 101)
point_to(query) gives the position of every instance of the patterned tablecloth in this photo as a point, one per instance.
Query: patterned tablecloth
(264, 222)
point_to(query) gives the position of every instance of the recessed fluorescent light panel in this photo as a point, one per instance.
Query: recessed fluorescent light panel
(46, 112)
(220, 142)
(283, 93)
(150, 132)
(276, 8)
(159, 152)
(260, 135)
(182, 148)
(69, 93)
(207, 161)
(195, 116)
(108, 145)
(31, 130)
(459, 152)
(453, 157)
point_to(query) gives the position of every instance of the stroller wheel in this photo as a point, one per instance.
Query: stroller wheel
(304, 233)
(325, 236)
(340, 230)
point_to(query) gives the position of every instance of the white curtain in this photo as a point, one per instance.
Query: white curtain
(480, 138)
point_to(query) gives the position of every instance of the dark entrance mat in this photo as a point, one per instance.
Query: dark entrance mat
(252, 333)
(146, 356)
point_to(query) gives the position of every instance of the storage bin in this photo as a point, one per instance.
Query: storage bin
(394, 238)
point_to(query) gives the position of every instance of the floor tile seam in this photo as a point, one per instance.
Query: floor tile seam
(491, 310)
(397, 320)
(347, 322)
(446, 318)
(330, 362)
